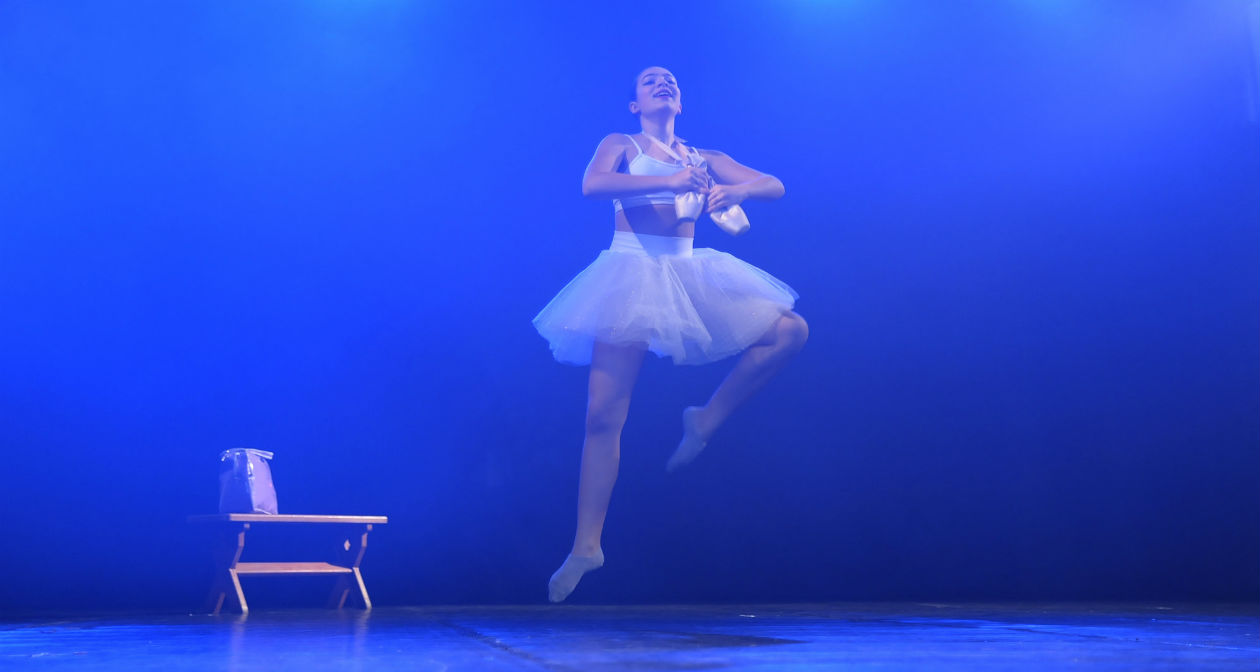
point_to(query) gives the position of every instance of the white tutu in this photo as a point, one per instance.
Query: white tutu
(695, 306)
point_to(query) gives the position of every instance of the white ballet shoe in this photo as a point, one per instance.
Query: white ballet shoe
(731, 220)
(689, 205)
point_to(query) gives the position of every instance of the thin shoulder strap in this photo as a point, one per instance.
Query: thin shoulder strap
(636, 145)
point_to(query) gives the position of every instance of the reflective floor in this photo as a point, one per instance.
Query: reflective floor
(885, 636)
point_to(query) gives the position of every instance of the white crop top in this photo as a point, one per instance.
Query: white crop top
(642, 164)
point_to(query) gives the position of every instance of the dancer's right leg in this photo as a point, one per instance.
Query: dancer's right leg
(614, 370)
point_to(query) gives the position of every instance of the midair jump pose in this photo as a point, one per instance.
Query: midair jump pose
(651, 291)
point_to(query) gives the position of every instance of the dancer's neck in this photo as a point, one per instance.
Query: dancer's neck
(662, 129)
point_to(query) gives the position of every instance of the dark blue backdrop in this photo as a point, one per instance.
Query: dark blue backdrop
(1026, 235)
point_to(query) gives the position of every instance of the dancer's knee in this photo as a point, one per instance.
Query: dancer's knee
(605, 417)
(793, 332)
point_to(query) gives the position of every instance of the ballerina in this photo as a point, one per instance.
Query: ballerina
(652, 291)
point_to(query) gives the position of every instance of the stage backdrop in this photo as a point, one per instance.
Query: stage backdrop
(1026, 236)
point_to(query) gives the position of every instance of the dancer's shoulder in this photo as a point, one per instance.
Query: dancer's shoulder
(618, 144)
(619, 139)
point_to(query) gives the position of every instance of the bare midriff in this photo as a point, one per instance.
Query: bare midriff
(654, 220)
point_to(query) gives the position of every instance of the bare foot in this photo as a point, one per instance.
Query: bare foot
(693, 440)
(566, 578)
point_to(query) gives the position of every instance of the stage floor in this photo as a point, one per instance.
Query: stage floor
(891, 636)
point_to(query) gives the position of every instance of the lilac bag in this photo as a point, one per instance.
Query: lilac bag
(245, 482)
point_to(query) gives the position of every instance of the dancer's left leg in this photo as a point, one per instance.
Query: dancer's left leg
(754, 369)
(614, 370)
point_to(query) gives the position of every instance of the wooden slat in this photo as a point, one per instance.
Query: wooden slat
(286, 518)
(262, 568)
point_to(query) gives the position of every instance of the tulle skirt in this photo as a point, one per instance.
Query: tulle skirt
(692, 305)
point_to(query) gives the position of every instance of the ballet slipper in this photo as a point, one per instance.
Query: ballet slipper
(687, 206)
(731, 220)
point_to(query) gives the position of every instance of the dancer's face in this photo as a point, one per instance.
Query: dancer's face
(656, 90)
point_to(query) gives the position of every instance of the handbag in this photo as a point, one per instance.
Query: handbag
(689, 205)
(245, 482)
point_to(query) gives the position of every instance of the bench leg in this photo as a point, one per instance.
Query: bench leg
(340, 591)
(226, 582)
(351, 555)
(367, 601)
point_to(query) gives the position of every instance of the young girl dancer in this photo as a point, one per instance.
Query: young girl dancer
(651, 291)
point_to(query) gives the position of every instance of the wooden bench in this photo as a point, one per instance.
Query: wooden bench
(229, 568)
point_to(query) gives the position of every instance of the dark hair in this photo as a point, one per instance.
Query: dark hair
(634, 88)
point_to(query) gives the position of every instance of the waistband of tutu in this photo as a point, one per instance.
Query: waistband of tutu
(652, 246)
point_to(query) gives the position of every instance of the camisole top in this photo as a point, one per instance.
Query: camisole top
(642, 164)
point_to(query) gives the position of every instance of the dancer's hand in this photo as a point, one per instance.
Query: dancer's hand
(723, 196)
(691, 178)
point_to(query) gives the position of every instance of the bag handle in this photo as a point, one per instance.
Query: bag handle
(264, 454)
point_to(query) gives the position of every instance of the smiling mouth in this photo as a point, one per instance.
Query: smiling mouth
(663, 94)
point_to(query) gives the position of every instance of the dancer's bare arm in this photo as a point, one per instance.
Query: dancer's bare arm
(603, 181)
(737, 182)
